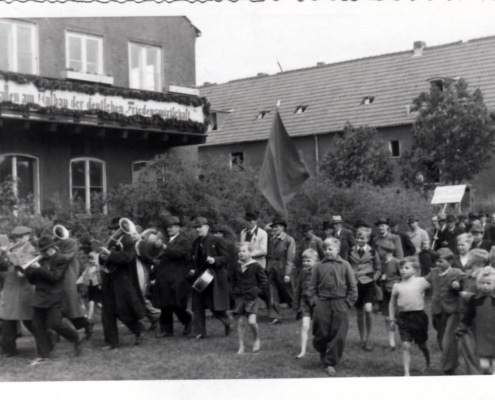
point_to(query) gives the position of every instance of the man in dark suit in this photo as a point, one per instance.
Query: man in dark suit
(209, 253)
(479, 242)
(345, 236)
(171, 287)
(449, 235)
(407, 245)
(122, 297)
(47, 301)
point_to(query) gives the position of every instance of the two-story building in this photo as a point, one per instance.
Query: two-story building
(316, 102)
(86, 102)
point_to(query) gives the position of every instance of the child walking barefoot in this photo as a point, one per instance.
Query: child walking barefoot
(412, 321)
(301, 296)
(249, 281)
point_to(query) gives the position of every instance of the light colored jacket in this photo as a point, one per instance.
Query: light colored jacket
(260, 244)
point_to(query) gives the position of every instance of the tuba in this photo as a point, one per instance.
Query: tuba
(60, 232)
(126, 227)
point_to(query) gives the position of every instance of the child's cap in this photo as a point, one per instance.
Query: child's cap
(388, 246)
(444, 252)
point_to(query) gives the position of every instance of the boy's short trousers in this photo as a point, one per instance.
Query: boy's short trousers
(94, 293)
(366, 294)
(246, 307)
(413, 326)
(306, 309)
(386, 300)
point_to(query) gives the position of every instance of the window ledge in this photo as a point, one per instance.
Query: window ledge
(83, 76)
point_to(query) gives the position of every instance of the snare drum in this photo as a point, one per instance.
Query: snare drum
(203, 281)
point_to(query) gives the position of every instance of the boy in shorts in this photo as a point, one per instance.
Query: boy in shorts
(249, 281)
(408, 298)
(301, 296)
(390, 275)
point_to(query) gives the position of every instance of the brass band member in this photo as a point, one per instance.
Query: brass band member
(171, 286)
(17, 295)
(47, 301)
(209, 252)
(121, 294)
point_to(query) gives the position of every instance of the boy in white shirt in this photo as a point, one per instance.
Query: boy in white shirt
(412, 321)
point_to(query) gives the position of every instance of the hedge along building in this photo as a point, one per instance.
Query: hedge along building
(316, 102)
(86, 102)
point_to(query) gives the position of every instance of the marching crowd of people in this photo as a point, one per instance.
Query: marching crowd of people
(152, 274)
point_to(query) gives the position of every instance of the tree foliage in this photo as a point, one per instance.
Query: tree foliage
(358, 156)
(452, 136)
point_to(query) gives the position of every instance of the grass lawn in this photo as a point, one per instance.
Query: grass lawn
(212, 358)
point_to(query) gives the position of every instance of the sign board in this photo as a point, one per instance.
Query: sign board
(448, 194)
(28, 93)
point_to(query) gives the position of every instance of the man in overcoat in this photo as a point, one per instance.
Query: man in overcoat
(209, 253)
(121, 295)
(171, 285)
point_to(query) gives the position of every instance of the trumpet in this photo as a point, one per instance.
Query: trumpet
(22, 268)
(60, 232)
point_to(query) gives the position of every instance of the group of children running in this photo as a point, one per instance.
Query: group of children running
(462, 302)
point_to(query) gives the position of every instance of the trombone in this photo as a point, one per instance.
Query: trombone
(20, 269)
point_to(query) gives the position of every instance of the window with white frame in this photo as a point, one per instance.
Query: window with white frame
(24, 173)
(18, 47)
(84, 53)
(88, 183)
(137, 169)
(145, 67)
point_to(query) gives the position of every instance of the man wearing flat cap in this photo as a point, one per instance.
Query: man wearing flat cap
(479, 242)
(17, 295)
(280, 265)
(257, 237)
(345, 236)
(209, 253)
(384, 234)
(448, 237)
(171, 285)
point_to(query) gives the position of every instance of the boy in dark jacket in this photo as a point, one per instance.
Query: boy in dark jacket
(249, 281)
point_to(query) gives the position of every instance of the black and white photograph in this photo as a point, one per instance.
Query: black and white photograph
(239, 199)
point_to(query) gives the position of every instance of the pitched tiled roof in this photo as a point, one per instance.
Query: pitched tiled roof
(333, 92)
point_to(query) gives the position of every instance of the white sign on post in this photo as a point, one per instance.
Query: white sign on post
(448, 194)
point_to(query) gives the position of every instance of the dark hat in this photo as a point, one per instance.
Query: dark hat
(45, 243)
(279, 221)
(171, 220)
(250, 216)
(306, 227)
(412, 219)
(387, 245)
(392, 221)
(327, 225)
(21, 230)
(381, 221)
(336, 219)
(471, 216)
(442, 217)
(114, 223)
(476, 227)
(220, 228)
(199, 221)
(451, 218)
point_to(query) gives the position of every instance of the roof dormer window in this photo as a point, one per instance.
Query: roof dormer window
(300, 109)
(441, 82)
(262, 114)
(367, 100)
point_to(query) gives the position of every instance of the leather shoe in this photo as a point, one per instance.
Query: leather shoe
(109, 348)
(163, 334)
(153, 325)
(139, 340)
(187, 328)
(78, 347)
(228, 329)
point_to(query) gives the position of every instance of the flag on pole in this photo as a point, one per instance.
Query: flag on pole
(283, 171)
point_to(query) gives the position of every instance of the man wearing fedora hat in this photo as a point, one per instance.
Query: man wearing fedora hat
(280, 264)
(209, 253)
(17, 295)
(171, 286)
(47, 301)
(345, 236)
(384, 234)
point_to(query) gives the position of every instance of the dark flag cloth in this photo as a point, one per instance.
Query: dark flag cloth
(283, 171)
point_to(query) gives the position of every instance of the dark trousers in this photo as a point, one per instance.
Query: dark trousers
(445, 325)
(200, 302)
(329, 331)
(51, 318)
(79, 323)
(9, 335)
(280, 292)
(167, 318)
